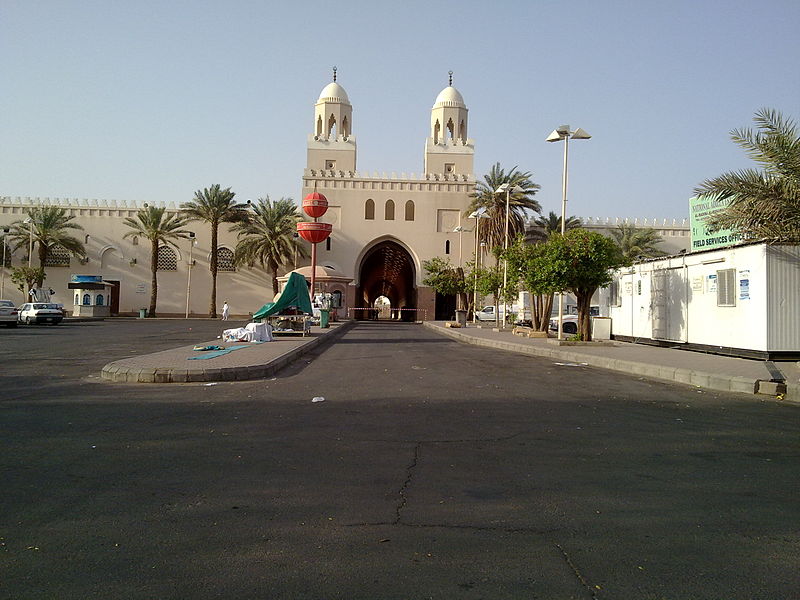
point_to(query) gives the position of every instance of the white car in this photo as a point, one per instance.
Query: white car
(40, 312)
(570, 324)
(487, 313)
(8, 313)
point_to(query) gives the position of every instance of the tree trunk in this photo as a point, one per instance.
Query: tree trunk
(42, 259)
(273, 267)
(212, 308)
(584, 298)
(541, 307)
(153, 280)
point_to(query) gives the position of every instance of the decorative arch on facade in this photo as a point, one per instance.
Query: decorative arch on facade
(108, 254)
(345, 126)
(409, 210)
(437, 129)
(388, 213)
(379, 240)
(319, 126)
(462, 130)
(167, 259)
(450, 129)
(369, 209)
(225, 260)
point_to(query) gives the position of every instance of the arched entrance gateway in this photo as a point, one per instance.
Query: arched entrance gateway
(386, 273)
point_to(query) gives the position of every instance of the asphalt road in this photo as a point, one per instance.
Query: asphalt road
(431, 470)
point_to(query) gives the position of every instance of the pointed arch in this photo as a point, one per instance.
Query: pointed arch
(450, 130)
(437, 128)
(388, 211)
(345, 126)
(369, 209)
(409, 210)
(462, 131)
(332, 126)
(319, 125)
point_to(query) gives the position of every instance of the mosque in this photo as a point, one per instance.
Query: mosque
(384, 228)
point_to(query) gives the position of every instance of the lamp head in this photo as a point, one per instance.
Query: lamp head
(502, 189)
(580, 134)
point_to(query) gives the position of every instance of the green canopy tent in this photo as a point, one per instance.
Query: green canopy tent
(294, 294)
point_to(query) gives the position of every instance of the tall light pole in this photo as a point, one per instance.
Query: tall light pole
(564, 133)
(192, 242)
(460, 231)
(3, 272)
(477, 215)
(508, 189)
(29, 222)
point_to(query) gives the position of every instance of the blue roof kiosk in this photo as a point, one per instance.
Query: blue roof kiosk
(91, 296)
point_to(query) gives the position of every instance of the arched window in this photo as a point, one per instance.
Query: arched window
(388, 212)
(77, 299)
(410, 210)
(369, 210)
(332, 127)
(450, 129)
(225, 259)
(87, 300)
(345, 127)
(447, 247)
(319, 126)
(436, 129)
(135, 240)
(328, 243)
(99, 300)
(336, 299)
(462, 131)
(167, 259)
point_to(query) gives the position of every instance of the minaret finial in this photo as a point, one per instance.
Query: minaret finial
(451, 77)
(334, 73)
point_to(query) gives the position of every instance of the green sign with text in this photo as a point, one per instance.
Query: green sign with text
(703, 238)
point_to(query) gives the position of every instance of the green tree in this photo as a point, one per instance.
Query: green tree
(579, 262)
(50, 227)
(543, 226)
(150, 223)
(637, 242)
(762, 203)
(447, 280)
(269, 236)
(525, 265)
(493, 230)
(214, 206)
(26, 278)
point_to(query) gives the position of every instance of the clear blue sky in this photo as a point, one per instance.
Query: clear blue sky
(151, 101)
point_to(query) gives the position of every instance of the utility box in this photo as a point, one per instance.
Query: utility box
(601, 328)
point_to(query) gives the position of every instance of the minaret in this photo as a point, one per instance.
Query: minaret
(332, 146)
(448, 150)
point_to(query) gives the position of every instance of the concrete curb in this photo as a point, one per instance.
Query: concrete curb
(711, 381)
(117, 371)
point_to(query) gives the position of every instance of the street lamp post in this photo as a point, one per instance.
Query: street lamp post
(3, 272)
(29, 222)
(508, 189)
(460, 231)
(477, 215)
(192, 243)
(564, 133)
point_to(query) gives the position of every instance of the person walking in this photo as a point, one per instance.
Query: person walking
(225, 311)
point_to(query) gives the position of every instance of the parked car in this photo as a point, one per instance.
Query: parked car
(40, 312)
(486, 314)
(8, 313)
(570, 324)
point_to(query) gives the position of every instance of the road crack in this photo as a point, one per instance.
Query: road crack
(409, 474)
(577, 572)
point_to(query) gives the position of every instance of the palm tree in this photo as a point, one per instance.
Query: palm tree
(215, 206)
(151, 224)
(544, 227)
(486, 196)
(269, 236)
(762, 204)
(637, 242)
(49, 227)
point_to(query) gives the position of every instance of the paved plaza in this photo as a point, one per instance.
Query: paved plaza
(430, 469)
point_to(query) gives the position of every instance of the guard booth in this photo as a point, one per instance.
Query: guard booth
(91, 296)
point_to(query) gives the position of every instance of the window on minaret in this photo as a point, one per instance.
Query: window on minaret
(449, 167)
(450, 129)
(319, 126)
(345, 127)
(330, 164)
(447, 247)
(369, 210)
(410, 210)
(388, 212)
(462, 131)
(436, 130)
(332, 127)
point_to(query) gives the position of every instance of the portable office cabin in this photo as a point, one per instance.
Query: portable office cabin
(742, 301)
